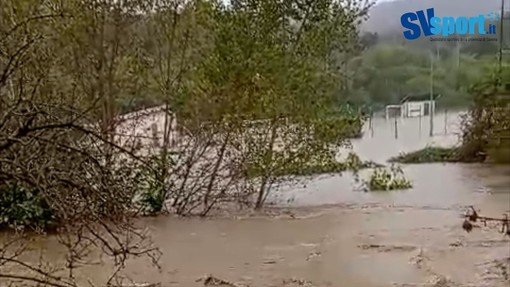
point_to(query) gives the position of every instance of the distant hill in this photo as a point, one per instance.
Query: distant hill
(385, 16)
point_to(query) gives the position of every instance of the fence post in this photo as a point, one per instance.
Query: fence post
(371, 125)
(396, 128)
(155, 134)
(420, 122)
(446, 121)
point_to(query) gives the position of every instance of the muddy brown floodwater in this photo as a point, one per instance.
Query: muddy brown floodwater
(341, 237)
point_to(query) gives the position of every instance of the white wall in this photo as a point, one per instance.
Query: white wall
(146, 126)
(416, 109)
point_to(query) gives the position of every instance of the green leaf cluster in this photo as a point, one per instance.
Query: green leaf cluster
(24, 208)
(384, 179)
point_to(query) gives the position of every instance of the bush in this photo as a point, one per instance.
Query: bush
(429, 155)
(383, 179)
(152, 190)
(328, 165)
(24, 208)
(485, 128)
(498, 149)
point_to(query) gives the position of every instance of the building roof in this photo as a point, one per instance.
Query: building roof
(418, 97)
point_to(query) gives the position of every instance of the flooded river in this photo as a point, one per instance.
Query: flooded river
(340, 237)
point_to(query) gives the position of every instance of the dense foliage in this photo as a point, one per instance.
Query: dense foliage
(388, 69)
(20, 208)
(486, 128)
(386, 179)
(428, 155)
(254, 85)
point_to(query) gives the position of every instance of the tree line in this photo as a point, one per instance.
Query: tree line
(388, 68)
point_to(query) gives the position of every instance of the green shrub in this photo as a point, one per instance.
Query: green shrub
(383, 179)
(151, 183)
(429, 155)
(327, 165)
(498, 150)
(24, 208)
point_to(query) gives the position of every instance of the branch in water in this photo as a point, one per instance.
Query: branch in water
(472, 216)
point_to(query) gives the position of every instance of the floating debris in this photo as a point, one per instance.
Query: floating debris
(388, 248)
(142, 285)
(441, 281)
(467, 226)
(420, 260)
(457, 243)
(210, 280)
(313, 255)
(497, 271)
(297, 282)
(472, 216)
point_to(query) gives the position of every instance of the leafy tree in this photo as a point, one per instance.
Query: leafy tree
(269, 80)
(486, 126)
(63, 67)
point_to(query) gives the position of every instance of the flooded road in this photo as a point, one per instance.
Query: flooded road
(341, 237)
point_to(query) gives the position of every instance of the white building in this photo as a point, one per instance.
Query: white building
(147, 127)
(413, 106)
